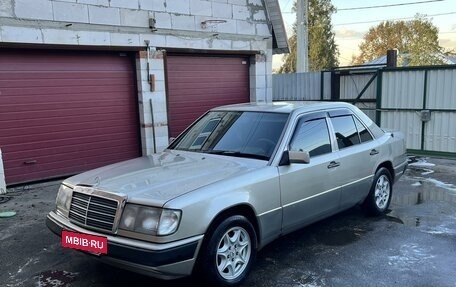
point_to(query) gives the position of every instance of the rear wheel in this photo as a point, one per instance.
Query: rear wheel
(379, 198)
(228, 254)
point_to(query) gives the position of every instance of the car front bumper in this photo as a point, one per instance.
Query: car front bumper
(165, 261)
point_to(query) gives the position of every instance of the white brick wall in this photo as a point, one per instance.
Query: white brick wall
(2, 176)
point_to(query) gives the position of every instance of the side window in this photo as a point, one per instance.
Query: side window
(364, 134)
(311, 136)
(346, 132)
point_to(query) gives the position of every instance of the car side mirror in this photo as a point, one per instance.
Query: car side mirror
(290, 157)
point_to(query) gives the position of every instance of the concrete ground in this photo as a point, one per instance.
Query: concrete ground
(413, 245)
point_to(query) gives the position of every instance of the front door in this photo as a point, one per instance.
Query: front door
(308, 193)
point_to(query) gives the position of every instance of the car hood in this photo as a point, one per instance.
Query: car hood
(159, 178)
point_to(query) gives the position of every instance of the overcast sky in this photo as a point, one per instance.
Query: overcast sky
(349, 32)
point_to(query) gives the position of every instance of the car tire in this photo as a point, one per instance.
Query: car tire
(228, 254)
(379, 197)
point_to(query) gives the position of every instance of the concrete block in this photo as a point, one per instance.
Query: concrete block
(104, 15)
(2, 176)
(6, 9)
(219, 44)
(260, 68)
(200, 7)
(160, 118)
(241, 12)
(70, 12)
(159, 102)
(95, 2)
(245, 28)
(180, 42)
(262, 30)
(123, 39)
(57, 36)
(178, 6)
(222, 10)
(260, 81)
(37, 9)
(259, 45)
(238, 2)
(240, 45)
(255, 2)
(21, 34)
(183, 22)
(134, 18)
(160, 86)
(104, 3)
(162, 132)
(93, 38)
(259, 15)
(228, 27)
(157, 70)
(220, 1)
(130, 4)
(163, 20)
(155, 40)
(153, 5)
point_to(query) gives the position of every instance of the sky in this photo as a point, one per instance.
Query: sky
(349, 32)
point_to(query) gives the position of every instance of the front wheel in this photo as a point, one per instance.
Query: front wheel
(379, 198)
(228, 254)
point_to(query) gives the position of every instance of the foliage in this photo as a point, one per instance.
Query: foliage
(323, 51)
(416, 39)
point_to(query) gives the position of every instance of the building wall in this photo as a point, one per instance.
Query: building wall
(219, 25)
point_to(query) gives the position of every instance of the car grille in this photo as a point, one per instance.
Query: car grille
(93, 211)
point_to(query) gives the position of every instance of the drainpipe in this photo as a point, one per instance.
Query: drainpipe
(150, 101)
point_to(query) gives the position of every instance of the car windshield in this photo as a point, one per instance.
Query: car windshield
(234, 133)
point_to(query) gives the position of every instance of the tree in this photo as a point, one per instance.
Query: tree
(323, 51)
(416, 39)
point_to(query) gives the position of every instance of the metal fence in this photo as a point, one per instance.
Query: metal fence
(419, 101)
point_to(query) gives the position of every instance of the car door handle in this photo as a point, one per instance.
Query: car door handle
(333, 164)
(374, 152)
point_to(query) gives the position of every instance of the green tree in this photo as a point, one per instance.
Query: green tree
(417, 40)
(323, 51)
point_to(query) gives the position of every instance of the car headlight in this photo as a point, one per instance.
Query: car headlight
(149, 220)
(63, 200)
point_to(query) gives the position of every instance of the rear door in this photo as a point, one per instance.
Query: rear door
(358, 154)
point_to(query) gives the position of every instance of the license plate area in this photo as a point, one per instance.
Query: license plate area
(90, 243)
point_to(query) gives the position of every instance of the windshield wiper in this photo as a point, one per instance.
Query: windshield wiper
(238, 154)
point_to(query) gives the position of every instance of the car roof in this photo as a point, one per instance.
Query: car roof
(284, 107)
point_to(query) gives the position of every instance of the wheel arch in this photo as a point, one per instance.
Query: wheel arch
(243, 209)
(389, 166)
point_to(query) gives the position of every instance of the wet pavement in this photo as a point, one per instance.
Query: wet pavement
(413, 245)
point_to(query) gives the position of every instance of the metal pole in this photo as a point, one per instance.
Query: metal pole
(302, 36)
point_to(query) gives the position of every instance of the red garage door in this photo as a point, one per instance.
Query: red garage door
(65, 112)
(197, 84)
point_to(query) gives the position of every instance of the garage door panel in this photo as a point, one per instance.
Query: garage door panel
(66, 167)
(55, 129)
(68, 111)
(70, 106)
(199, 83)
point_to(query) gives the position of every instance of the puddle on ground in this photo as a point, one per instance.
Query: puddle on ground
(55, 278)
(339, 237)
(425, 195)
(429, 209)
